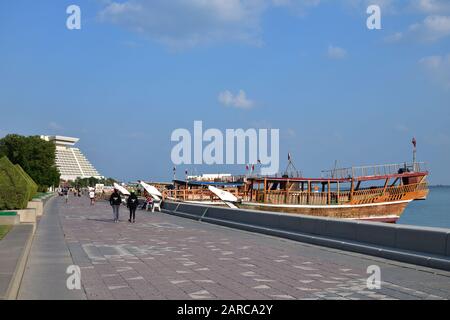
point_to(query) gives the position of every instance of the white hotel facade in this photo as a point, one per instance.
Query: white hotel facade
(71, 162)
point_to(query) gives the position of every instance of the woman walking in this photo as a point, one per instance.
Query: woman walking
(132, 204)
(115, 200)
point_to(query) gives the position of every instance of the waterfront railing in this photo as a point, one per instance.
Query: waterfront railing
(374, 171)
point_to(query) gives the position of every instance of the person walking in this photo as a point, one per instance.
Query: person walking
(66, 194)
(92, 196)
(132, 204)
(115, 200)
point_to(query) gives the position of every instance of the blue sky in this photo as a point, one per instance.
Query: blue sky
(137, 70)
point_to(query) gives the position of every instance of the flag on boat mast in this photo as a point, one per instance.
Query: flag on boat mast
(291, 169)
(414, 142)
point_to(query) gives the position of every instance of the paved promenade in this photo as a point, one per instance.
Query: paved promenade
(167, 257)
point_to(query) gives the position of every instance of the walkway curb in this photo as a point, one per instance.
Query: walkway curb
(19, 269)
(14, 285)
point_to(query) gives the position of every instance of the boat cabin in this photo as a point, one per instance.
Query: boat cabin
(356, 185)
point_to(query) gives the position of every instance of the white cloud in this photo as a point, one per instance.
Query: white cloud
(239, 100)
(395, 37)
(187, 23)
(433, 28)
(336, 53)
(386, 6)
(181, 24)
(290, 3)
(438, 67)
(299, 7)
(401, 7)
(280, 3)
(432, 6)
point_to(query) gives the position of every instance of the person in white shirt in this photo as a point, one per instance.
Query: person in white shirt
(92, 197)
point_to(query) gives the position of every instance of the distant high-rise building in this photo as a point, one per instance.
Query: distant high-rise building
(71, 163)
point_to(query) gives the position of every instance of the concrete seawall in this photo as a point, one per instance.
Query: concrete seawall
(429, 247)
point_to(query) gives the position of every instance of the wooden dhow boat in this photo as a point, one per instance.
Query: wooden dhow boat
(373, 193)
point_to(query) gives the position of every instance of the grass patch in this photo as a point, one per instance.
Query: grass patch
(4, 230)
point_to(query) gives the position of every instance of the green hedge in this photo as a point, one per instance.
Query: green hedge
(15, 190)
(32, 186)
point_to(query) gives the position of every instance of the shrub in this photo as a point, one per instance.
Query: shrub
(33, 187)
(35, 155)
(14, 189)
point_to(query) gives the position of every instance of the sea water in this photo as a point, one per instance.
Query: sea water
(433, 212)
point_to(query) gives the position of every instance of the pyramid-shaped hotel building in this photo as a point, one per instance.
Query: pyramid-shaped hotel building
(71, 162)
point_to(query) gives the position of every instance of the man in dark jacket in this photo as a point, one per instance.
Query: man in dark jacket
(115, 200)
(132, 204)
